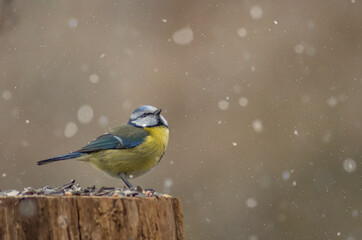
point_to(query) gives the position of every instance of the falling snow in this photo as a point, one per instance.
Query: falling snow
(167, 185)
(94, 78)
(332, 101)
(103, 121)
(223, 104)
(28, 207)
(183, 36)
(6, 95)
(70, 129)
(299, 48)
(73, 22)
(286, 175)
(242, 32)
(243, 101)
(354, 213)
(85, 114)
(262, 102)
(256, 12)
(253, 237)
(257, 126)
(349, 165)
(251, 203)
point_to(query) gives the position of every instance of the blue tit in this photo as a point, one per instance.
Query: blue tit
(129, 150)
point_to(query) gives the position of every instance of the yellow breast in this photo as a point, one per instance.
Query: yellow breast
(157, 140)
(134, 161)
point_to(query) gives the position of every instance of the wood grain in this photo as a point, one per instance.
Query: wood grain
(82, 217)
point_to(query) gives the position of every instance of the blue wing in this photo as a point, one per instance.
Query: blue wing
(121, 137)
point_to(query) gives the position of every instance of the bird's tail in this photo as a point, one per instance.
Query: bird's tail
(62, 157)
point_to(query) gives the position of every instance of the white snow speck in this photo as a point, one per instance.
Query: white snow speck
(3, 175)
(183, 36)
(6, 95)
(223, 104)
(256, 12)
(167, 184)
(295, 132)
(28, 207)
(242, 32)
(286, 175)
(294, 183)
(275, 22)
(164, 20)
(70, 129)
(310, 24)
(234, 144)
(257, 126)
(24, 143)
(85, 114)
(253, 237)
(251, 203)
(349, 165)
(332, 101)
(243, 101)
(103, 121)
(354, 213)
(102, 55)
(299, 48)
(94, 78)
(27, 121)
(73, 22)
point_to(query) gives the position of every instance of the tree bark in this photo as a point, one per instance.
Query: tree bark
(85, 217)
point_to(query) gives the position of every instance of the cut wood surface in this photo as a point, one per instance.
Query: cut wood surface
(84, 217)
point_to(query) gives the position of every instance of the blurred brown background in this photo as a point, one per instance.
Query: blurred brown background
(263, 99)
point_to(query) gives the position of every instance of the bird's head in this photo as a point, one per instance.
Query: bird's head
(147, 116)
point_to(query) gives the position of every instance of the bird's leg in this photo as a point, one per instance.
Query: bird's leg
(125, 180)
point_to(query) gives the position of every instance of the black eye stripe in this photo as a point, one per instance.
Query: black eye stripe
(145, 114)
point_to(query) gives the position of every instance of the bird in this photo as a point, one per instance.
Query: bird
(129, 150)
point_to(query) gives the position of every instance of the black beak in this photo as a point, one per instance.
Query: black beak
(157, 112)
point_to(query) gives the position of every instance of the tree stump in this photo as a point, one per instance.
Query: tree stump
(90, 217)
